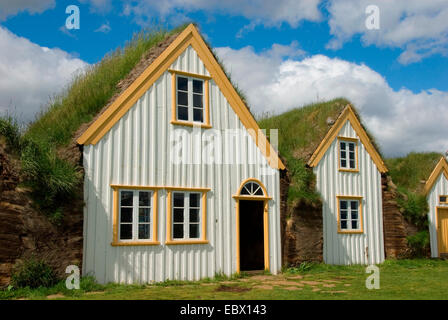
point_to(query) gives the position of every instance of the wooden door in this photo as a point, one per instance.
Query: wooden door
(442, 230)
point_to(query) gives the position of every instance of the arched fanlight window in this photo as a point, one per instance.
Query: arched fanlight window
(252, 189)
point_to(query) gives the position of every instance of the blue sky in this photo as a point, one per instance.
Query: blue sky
(399, 69)
(222, 30)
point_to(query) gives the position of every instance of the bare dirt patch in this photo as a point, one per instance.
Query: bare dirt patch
(285, 283)
(224, 288)
(311, 283)
(55, 296)
(260, 278)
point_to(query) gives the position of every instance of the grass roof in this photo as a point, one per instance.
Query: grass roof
(300, 132)
(93, 89)
(411, 172)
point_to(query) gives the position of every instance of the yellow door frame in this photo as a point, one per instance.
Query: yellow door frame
(439, 232)
(265, 198)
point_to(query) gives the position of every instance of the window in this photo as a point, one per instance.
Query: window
(252, 189)
(349, 215)
(443, 199)
(135, 216)
(190, 99)
(186, 216)
(348, 156)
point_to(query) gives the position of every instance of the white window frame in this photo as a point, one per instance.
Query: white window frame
(186, 223)
(349, 219)
(135, 215)
(190, 94)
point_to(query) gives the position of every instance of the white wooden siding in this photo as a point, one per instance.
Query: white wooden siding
(136, 151)
(345, 249)
(440, 188)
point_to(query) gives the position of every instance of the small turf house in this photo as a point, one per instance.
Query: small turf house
(179, 183)
(436, 190)
(348, 170)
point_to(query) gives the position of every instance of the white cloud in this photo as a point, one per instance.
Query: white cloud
(99, 6)
(419, 27)
(266, 12)
(12, 7)
(401, 120)
(30, 75)
(104, 28)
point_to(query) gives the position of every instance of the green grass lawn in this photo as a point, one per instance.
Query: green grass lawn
(402, 279)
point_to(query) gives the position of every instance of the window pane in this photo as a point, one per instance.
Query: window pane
(182, 84)
(126, 198)
(178, 215)
(144, 199)
(343, 154)
(259, 192)
(343, 163)
(126, 215)
(144, 215)
(182, 113)
(194, 215)
(343, 204)
(342, 145)
(352, 155)
(178, 231)
(351, 146)
(126, 231)
(178, 199)
(182, 98)
(143, 231)
(198, 115)
(197, 101)
(194, 231)
(443, 199)
(343, 215)
(198, 86)
(354, 225)
(354, 205)
(195, 200)
(352, 164)
(245, 190)
(354, 215)
(343, 225)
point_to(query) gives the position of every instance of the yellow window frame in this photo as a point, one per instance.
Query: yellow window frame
(116, 242)
(169, 216)
(360, 213)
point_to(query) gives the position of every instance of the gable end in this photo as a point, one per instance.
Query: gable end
(189, 37)
(347, 115)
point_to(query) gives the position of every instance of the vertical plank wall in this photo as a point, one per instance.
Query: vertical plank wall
(440, 188)
(136, 151)
(345, 249)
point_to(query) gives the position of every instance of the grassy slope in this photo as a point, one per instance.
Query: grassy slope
(300, 131)
(399, 279)
(90, 92)
(410, 171)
